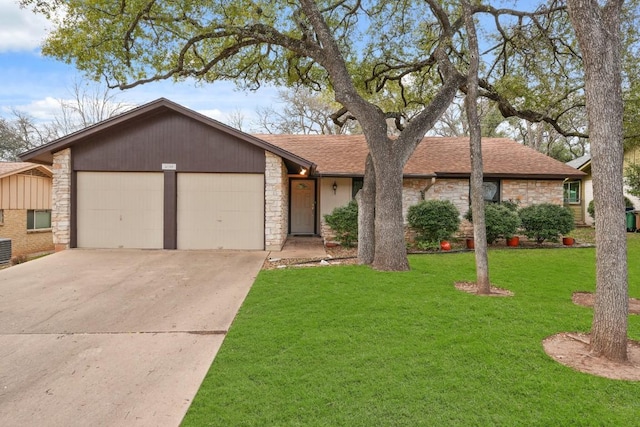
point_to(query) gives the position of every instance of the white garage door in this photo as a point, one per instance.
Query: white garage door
(120, 210)
(220, 211)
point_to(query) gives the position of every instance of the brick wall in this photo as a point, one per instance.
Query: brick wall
(61, 207)
(22, 241)
(276, 202)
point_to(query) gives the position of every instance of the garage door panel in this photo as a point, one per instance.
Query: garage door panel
(220, 211)
(120, 210)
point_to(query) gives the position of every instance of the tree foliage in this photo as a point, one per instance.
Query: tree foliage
(20, 133)
(632, 179)
(303, 111)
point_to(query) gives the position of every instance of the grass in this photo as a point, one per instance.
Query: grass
(348, 346)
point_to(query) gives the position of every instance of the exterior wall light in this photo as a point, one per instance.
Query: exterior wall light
(335, 187)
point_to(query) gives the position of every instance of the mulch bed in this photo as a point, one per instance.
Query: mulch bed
(587, 299)
(573, 350)
(472, 288)
(338, 255)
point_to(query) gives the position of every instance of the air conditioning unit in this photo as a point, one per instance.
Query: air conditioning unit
(5, 251)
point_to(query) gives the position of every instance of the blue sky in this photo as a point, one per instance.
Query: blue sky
(33, 83)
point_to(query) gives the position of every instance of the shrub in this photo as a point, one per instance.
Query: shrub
(434, 220)
(592, 210)
(344, 223)
(546, 221)
(18, 259)
(501, 220)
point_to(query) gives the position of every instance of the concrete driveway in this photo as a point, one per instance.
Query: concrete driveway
(114, 337)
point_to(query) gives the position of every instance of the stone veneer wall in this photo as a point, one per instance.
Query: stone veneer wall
(530, 192)
(454, 190)
(276, 200)
(61, 206)
(24, 242)
(525, 192)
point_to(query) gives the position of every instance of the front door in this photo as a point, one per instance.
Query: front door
(303, 203)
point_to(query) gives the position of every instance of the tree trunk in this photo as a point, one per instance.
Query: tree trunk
(598, 32)
(475, 148)
(366, 199)
(390, 246)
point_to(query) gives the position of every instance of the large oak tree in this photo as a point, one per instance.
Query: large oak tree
(376, 57)
(598, 32)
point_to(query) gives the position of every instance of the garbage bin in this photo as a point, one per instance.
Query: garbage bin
(631, 221)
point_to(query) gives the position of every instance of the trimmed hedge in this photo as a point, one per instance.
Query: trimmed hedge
(343, 221)
(546, 221)
(501, 220)
(434, 220)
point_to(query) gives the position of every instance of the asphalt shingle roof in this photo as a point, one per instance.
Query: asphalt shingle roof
(346, 154)
(9, 168)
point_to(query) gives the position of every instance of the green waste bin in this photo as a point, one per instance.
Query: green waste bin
(631, 221)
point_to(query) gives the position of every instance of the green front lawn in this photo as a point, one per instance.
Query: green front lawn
(348, 346)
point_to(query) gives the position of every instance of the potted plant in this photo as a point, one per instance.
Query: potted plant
(471, 244)
(568, 241)
(513, 241)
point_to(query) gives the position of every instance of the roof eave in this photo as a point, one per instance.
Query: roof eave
(548, 176)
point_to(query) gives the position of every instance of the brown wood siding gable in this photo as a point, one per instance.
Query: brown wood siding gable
(22, 191)
(168, 137)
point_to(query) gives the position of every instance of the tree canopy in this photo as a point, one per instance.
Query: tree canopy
(403, 61)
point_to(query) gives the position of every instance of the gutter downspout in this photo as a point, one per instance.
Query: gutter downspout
(429, 185)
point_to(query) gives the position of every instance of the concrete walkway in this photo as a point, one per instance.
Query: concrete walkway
(114, 338)
(301, 247)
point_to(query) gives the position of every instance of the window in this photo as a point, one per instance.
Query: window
(356, 185)
(1, 217)
(37, 220)
(491, 190)
(572, 192)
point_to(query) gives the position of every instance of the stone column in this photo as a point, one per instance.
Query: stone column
(276, 202)
(61, 203)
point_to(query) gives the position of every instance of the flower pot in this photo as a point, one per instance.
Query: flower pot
(471, 244)
(568, 241)
(445, 246)
(513, 241)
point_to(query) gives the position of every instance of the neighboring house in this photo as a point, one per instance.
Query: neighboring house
(632, 156)
(578, 191)
(25, 207)
(163, 176)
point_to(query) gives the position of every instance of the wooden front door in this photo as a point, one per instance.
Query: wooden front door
(303, 204)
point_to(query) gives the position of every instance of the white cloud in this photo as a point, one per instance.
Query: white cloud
(214, 114)
(20, 29)
(41, 109)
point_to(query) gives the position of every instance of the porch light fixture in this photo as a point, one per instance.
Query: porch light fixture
(335, 187)
(303, 171)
